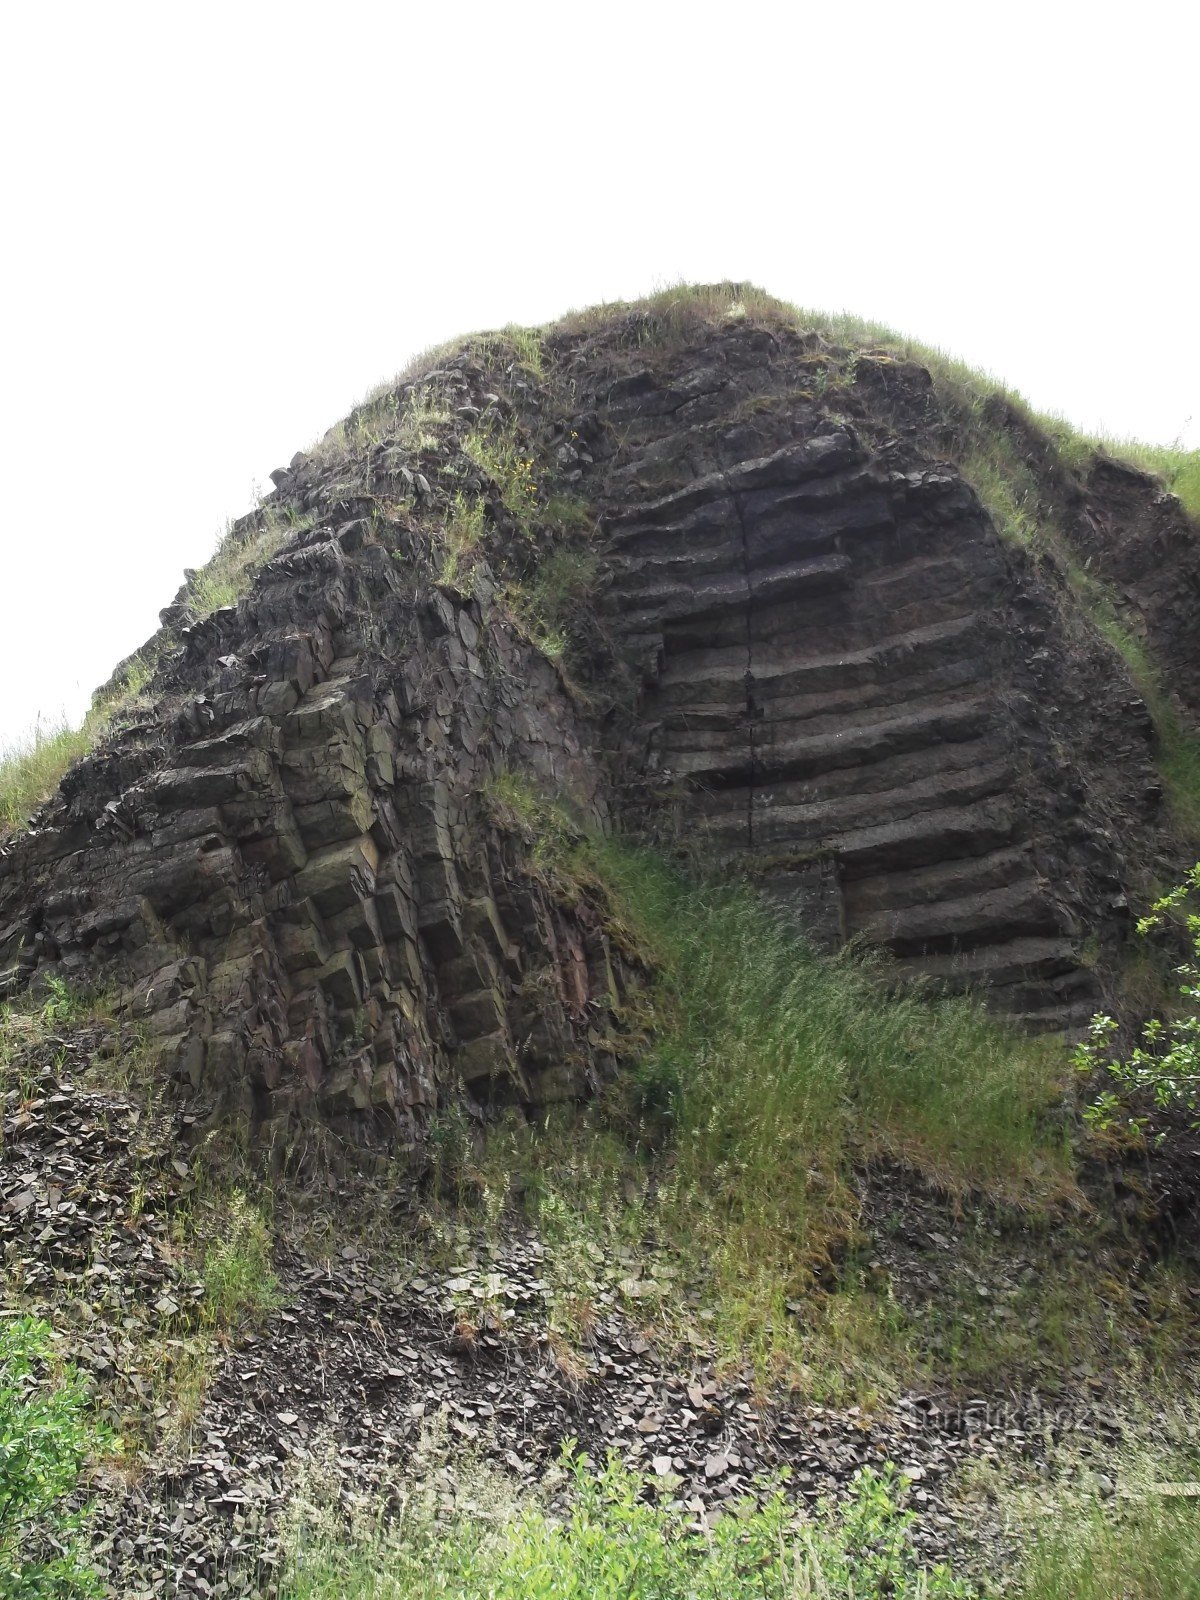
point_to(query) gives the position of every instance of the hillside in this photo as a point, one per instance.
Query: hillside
(577, 921)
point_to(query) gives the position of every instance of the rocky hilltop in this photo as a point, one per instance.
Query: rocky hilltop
(785, 601)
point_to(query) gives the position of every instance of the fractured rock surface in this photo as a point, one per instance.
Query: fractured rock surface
(295, 880)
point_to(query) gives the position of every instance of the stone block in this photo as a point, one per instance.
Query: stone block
(336, 877)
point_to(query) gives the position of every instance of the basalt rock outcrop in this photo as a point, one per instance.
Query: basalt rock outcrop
(802, 652)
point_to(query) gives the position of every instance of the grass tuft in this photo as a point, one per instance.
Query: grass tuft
(242, 551)
(31, 768)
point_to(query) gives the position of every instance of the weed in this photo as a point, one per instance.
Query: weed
(501, 455)
(520, 806)
(547, 605)
(239, 1283)
(463, 537)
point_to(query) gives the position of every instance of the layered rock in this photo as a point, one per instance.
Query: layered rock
(902, 727)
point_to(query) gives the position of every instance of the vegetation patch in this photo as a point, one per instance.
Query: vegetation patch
(246, 547)
(1162, 1071)
(759, 1076)
(502, 455)
(32, 768)
(614, 1538)
(46, 1438)
(144, 1252)
(462, 538)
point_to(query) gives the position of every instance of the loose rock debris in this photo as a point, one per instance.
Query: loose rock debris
(362, 1358)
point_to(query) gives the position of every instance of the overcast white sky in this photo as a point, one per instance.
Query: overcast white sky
(224, 222)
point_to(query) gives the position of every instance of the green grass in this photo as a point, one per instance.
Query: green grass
(764, 1044)
(46, 1436)
(614, 1542)
(1178, 753)
(32, 767)
(239, 555)
(503, 456)
(240, 1285)
(1146, 1551)
(1178, 468)
(1141, 1542)
(546, 605)
(462, 538)
(767, 1074)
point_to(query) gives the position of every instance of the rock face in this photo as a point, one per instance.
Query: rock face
(296, 880)
(806, 653)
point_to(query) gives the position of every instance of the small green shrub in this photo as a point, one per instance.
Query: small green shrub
(1165, 1067)
(45, 1439)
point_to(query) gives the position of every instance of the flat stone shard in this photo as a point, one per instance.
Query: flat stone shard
(808, 655)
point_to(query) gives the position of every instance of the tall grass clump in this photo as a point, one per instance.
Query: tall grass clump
(1178, 468)
(1144, 1547)
(238, 1275)
(463, 536)
(32, 767)
(772, 1070)
(242, 550)
(500, 455)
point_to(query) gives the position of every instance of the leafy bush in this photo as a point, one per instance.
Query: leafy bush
(614, 1543)
(45, 1438)
(1165, 1067)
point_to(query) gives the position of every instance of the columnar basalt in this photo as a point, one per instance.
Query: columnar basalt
(297, 879)
(808, 654)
